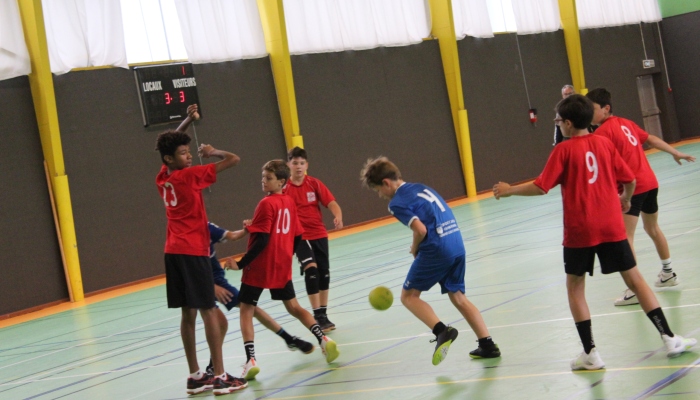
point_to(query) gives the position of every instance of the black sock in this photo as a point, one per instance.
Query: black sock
(585, 332)
(249, 350)
(659, 320)
(316, 330)
(439, 328)
(323, 310)
(317, 312)
(211, 365)
(284, 335)
(486, 343)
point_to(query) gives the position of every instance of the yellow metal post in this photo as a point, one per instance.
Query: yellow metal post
(569, 23)
(444, 31)
(41, 83)
(275, 29)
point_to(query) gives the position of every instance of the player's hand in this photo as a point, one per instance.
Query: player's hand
(206, 150)
(247, 223)
(338, 222)
(625, 203)
(414, 252)
(501, 190)
(222, 295)
(231, 264)
(193, 111)
(682, 156)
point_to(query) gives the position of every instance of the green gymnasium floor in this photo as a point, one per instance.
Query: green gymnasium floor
(129, 347)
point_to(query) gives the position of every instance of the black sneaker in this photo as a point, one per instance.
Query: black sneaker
(210, 368)
(228, 385)
(196, 386)
(303, 345)
(480, 352)
(325, 324)
(444, 340)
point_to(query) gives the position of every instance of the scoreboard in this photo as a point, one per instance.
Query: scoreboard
(165, 91)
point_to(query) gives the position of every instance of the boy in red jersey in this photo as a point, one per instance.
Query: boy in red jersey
(188, 273)
(308, 194)
(628, 139)
(588, 168)
(274, 233)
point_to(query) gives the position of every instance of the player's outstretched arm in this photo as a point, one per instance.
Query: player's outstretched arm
(192, 115)
(236, 235)
(659, 144)
(334, 207)
(502, 189)
(228, 160)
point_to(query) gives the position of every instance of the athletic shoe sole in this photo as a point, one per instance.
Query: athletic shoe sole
(250, 375)
(331, 352)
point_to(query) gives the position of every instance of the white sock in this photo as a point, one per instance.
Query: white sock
(197, 375)
(222, 376)
(666, 265)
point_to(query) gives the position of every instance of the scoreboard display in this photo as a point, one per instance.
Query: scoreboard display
(165, 91)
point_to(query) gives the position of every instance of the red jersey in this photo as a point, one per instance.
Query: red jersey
(275, 215)
(628, 139)
(181, 191)
(307, 197)
(588, 169)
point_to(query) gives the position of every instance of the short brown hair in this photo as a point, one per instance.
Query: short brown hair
(296, 152)
(378, 169)
(277, 167)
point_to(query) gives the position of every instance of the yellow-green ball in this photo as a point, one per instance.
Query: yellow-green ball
(381, 298)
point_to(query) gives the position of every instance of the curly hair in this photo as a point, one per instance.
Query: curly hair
(168, 142)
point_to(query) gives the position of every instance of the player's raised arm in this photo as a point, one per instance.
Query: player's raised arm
(228, 160)
(192, 115)
(659, 144)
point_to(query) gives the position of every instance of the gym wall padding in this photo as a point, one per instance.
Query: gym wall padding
(111, 162)
(506, 146)
(682, 48)
(355, 105)
(30, 259)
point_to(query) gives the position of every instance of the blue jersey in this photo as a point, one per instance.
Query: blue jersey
(217, 235)
(443, 239)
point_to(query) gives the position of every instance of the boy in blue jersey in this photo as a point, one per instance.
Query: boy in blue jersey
(438, 252)
(228, 296)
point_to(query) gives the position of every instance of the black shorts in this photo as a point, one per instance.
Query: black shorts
(319, 252)
(613, 257)
(644, 202)
(189, 281)
(251, 294)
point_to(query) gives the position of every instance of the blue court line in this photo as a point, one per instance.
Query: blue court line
(681, 373)
(399, 343)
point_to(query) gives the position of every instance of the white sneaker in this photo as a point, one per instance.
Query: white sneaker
(329, 348)
(628, 298)
(677, 344)
(666, 279)
(590, 361)
(250, 369)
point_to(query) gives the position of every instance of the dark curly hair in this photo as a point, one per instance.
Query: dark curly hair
(168, 142)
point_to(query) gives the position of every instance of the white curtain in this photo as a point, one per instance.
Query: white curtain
(84, 33)
(601, 13)
(535, 16)
(221, 30)
(501, 15)
(316, 26)
(471, 18)
(14, 57)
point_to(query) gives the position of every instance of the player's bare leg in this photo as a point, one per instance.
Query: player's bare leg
(636, 283)
(651, 227)
(630, 227)
(411, 300)
(187, 332)
(328, 346)
(576, 290)
(470, 313)
(214, 339)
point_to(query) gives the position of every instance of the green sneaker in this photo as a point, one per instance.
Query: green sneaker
(330, 349)
(444, 340)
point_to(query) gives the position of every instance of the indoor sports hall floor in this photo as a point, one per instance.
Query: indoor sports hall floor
(129, 347)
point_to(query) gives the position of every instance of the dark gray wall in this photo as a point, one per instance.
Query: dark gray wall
(111, 163)
(354, 105)
(505, 145)
(680, 38)
(612, 58)
(32, 273)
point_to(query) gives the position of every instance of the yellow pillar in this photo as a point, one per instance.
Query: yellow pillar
(275, 29)
(444, 31)
(569, 23)
(41, 83)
